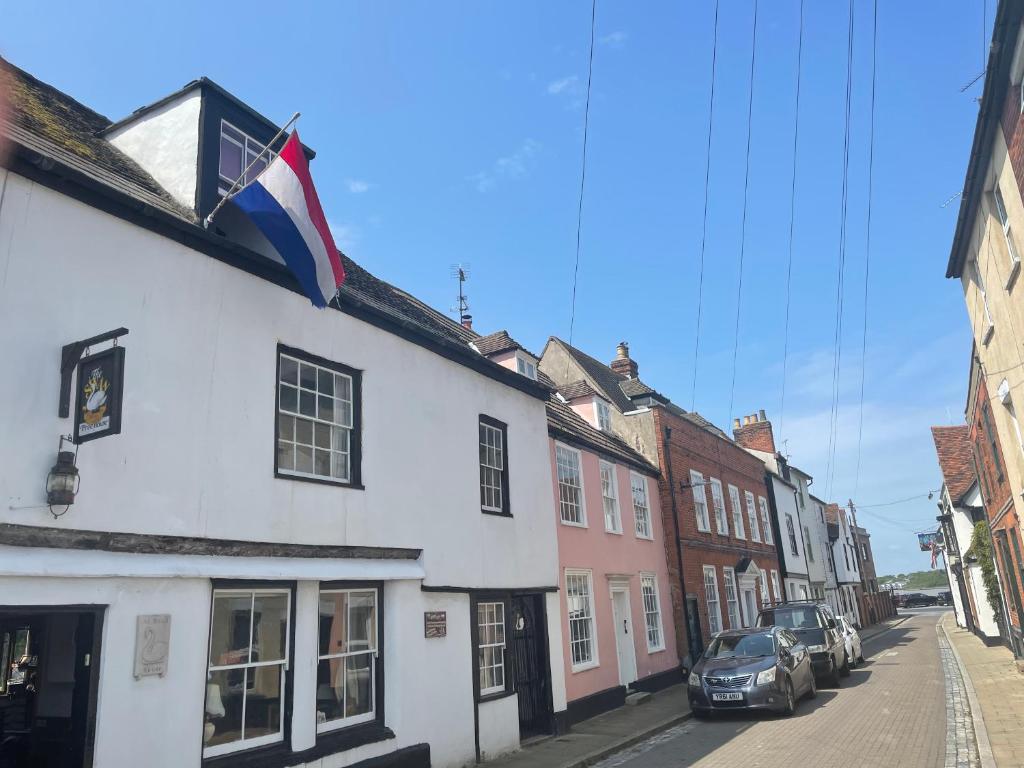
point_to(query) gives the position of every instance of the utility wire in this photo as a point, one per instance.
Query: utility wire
(867, 247)
(583, 173)
(704, 231)
(743, 227)
(792, 218)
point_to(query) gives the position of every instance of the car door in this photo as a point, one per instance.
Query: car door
(798, 661)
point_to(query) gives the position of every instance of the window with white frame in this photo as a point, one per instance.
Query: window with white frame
(579, 598)
(604, 415)
(791, 532)
(807, 544)
(986, 334)
(570, 486)
(766, 521)
(775, 586)
(250, 635)
(700, 500)
(737, 512)
(610, 498)
(766, 597)
(493, 474)
(641, 505)
(718, 502)
(317, 419)
(711, 596)
(490, 625)
(732, 598)
(755, 535)
(237, 151)
(346, 673)
(526, 367)
(1004, 221)
(652, 612)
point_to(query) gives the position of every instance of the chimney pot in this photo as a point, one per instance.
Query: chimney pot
(761, 416)
(736, 423)
(623, 364)
(467, 322)
(622, 351)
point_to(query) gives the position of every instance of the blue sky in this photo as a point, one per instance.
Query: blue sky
(451, 132)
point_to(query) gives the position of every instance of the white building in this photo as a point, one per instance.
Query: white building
(844, 557)
(813, 532)
(295, 494)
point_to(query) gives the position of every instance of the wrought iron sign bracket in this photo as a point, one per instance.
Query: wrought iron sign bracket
(70, 354)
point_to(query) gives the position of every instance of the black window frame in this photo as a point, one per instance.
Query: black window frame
(986, 416)
(502, 427)
(490, 597)
(355, 480)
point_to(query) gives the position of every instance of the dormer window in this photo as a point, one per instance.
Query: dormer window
(604, 415)
(526, 366)
(237, 151)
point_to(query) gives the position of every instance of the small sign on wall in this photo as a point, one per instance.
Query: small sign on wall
(435, 623)
(152, 644)
(98, 399)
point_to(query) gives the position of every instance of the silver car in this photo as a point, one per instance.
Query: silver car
(759, 668)
(854, 649)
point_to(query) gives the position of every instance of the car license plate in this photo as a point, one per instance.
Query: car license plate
(727, 697)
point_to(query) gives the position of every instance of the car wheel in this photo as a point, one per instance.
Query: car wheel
(845, 669)
(790, 699)
(860, 659)
(701, 714)
(812, 690)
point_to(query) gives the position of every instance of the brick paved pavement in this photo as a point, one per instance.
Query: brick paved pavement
(891, 713)
(1000, 691)
(961, 748)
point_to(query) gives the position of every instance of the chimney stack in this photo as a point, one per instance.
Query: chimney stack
(622, 364)
(467, 322)
(755, 432)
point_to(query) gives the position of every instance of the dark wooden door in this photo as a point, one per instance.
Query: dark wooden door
(530, 664)
(693, 632)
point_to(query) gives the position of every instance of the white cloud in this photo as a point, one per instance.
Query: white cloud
(345, 236)
(515, 165)
(356, 186)
(615, 39)
(565, 84)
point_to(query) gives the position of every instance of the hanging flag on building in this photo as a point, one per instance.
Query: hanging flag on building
(282, 202)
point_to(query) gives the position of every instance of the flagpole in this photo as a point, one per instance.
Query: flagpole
(227, 195)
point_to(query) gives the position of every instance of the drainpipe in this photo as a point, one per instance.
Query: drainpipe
(679, 543)
(780, 555)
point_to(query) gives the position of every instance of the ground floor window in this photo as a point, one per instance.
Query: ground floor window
(732, 600)
(652, 613)
(766, 598)
(711, 596)
(346, 676)
(250, 634)
(490, 622)
(579, 595)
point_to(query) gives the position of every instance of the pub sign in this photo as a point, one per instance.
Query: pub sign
(100, 385)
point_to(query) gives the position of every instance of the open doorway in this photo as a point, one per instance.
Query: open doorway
(49, 669)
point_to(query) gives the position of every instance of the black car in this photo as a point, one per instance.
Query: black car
(919, 600)
(815, 626)
(754, 669)
(945, 598)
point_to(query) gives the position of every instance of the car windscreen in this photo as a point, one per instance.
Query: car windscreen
(734, 646)
(791, 618)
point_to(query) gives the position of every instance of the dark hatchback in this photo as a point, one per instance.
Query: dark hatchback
(815, 626)
(751, 669)
(919, 600)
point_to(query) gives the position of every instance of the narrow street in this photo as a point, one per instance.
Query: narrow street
(892, 711)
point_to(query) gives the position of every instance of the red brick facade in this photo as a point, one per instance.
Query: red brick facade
(1013, 133)
(691, 446)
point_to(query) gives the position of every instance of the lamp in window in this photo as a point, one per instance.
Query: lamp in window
(63, 480)
(214, 709)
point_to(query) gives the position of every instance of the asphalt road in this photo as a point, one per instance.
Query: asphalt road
(891, 712)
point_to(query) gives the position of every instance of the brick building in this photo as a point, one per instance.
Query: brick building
(718, 535)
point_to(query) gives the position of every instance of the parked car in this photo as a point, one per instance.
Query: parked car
(854, 649)
(765, 668)
(919, 600)
(945, 598)
(815, 625)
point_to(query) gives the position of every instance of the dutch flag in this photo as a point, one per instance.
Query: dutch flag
(282, 202)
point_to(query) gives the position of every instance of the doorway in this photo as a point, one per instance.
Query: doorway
(749, 607)
(622, 618)
(49, 674)
(693, 632)
(530, 664)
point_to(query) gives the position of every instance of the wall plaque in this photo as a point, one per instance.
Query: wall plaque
(435, 623)
(152, 644)
(98, 398)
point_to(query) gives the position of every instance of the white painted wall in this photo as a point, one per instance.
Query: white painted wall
(786, 504)
(814, 537)
(165, 142)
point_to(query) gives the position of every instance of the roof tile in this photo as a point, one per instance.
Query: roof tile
(956, 459)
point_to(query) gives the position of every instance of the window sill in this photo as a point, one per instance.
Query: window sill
(609, 530)
(281, 756)
(494, 696)
(987, 336)
(495, 513)
(645, 538)
(573, 525)
(1014, 271)
(652, 651)
(585, 667)
(318, 480)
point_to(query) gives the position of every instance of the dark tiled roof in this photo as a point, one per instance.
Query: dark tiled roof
(608, 382)
(953, 446)
(495, 343)
(635, 388)
(578, 388)
(565, 423)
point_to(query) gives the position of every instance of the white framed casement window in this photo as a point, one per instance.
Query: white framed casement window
(755, 535)
(579, 598)
(526, 366)
(711, 597)
(766, 598)
(791, 532)
(807, 544)
(610, 498)
(347, 657)
(700, 501)
(775, 586)
(490, 624)
(493, 466)
(737, 512)
(250, 637)
(641, 506)
(718, 502)
(237, 151)
(979, 281)
(766, 521)
(1004, 221)
(604, 415)
(652, 612)
(732, 598)
(317, 419)
(571, 505)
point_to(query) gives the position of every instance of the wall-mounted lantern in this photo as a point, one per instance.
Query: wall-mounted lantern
(63, 480)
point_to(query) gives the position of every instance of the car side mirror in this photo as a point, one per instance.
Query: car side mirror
(831, 623)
